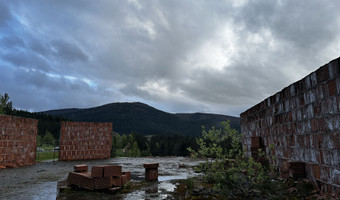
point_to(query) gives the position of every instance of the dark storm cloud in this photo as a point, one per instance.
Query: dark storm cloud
(177, 55)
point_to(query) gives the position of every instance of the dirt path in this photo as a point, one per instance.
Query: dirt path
(40, 181)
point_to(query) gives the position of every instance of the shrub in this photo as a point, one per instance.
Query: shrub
(233, 174)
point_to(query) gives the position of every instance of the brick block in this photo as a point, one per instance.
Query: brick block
(297, 169)
(128, 174)
(116, 181)
(80, 168)
(256, 142)
(151, 165)
(125, 179)
(110, 170)
(97, 171)
(151, 174)
(332, 88)
(83, 180)
(322, 74)
(102, 183)
(325, 174)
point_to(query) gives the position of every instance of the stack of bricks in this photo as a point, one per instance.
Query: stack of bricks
(17, 141)
(85, 140)
(303, 123)
(101, 177)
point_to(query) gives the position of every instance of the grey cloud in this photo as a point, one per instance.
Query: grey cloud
(122, 47)
(12, 42)
(68, 51)
(5, 14)
(27, 60)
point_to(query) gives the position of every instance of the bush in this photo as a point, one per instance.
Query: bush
(226, 166)
(48, 139)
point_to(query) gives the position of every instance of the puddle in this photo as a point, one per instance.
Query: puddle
(40, 181)
(169, 178)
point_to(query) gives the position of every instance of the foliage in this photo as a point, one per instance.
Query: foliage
(171, 145)
(218, 143)
(134, 151)
(5, 104)
(136, 145)
(39, 140)
(48, 139)
(228, 168)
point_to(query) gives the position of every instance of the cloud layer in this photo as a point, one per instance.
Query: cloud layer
(179, 56)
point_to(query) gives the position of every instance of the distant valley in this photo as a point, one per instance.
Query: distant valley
(143, 119)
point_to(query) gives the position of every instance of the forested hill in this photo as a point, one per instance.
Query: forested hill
(146, 120)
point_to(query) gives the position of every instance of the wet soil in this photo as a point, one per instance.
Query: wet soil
(40, 181)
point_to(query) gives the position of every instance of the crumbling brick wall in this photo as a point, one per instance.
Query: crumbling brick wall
(85, 140)
(303, 123)
(17, 141)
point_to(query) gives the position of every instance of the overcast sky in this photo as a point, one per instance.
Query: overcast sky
(178, 56)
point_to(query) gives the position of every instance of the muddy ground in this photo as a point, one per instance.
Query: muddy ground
(40, 180)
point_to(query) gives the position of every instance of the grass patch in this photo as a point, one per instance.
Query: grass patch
(46, 155)
(47, 147)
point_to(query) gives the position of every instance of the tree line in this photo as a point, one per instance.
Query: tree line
(48, 125)
(132, 145)
(136, 145)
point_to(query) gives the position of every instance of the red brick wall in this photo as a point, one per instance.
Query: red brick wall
(303, 122)
(85, 140)
(17, 141)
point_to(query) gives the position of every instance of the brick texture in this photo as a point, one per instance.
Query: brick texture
(151, 171)
(85, 140)
(17, 141)
(303, 123)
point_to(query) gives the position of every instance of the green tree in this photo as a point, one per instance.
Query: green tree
(228, 169)
(39, 140)
(5, 104)
(48, 139)
(134, 151)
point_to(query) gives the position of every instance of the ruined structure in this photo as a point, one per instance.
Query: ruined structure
(17, 141)
(303, 123)
(85, 140)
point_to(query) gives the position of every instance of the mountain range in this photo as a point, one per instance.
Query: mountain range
(143, 119)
